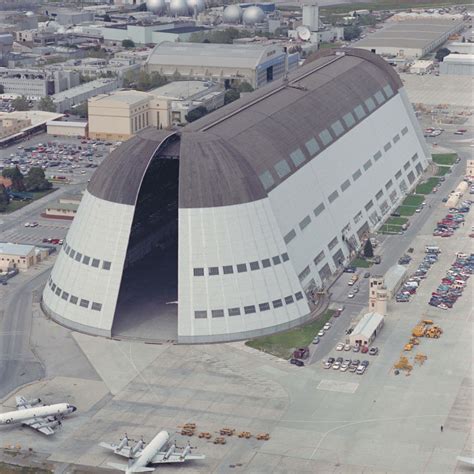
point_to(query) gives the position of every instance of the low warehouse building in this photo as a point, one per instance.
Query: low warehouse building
(67, 129)
(458, 65)
(367, 329)
(18, 256)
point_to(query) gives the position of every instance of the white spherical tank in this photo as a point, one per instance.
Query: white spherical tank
(178, 7)
(155, 6)
(232, 14)
(29, 14)
(253, 15)
(196, 5)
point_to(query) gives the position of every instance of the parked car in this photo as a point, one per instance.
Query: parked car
(321, 333)
(347, 347)
(327, 326)
(301, 353)
(373, 351)
(316, 340)
(364, 349)
(340, 347)
(366, 274)
(360, 370)
(297, 362)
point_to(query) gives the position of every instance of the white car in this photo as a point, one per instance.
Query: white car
(340, 347)
(27, 224)
(360, 370)
(327, 326)
(33, 224)
(321, 333)
(351, 295)
(347, 347)
(336, 366)
(326, 364)
(344, 368)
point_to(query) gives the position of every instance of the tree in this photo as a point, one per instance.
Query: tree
(245, 87)
(231, 95)
(351, 32)
(128, 43)
(4, 199)
(368, 249)
(36, 181)
(46, 104)
(82, 109)
(196, 113)
(14, 174)
(441, 54)
(176, 76)
(157, 80)
(20, 103)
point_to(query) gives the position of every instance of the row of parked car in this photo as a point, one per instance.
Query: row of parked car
(413, 282)
(452, 220)
(346, 365)
(454, 282)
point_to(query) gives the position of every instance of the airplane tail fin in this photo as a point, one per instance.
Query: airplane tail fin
(126, 468)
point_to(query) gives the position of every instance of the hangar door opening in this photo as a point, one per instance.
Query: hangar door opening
(147, 304)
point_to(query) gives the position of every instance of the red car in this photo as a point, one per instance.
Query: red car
(364, 349)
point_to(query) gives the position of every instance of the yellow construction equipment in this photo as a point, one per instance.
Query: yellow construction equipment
(427, 321)
(263, 437)
(205, 435)
(420, 358)
(227, 431)
(190, 426)
(419, 330)
(245, 434)
(414, 341)
(220, 440)
(434, 332)
(187, 432)
(408, 347)
(403, 364)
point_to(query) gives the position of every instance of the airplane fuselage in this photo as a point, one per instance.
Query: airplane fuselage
(18, 416)
(153, 447)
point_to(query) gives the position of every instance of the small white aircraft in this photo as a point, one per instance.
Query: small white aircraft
(42, 418)
(466, 460)
(155, 452)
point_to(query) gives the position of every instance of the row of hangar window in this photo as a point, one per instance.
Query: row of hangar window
(251, 309)
(338, 128)
(82, 302)
(85, 259)
(242, 267)
(344, 186)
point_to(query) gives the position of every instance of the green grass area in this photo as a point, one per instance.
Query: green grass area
(443, 170)
(396, 221)
(406, 210)
(361, 263)
(390, 229)
(389, 5)
(15, 205)
(283, 344)
(446, 159)
(427, 187)
(413, 200)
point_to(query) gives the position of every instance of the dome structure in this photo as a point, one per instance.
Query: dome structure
(155, 6)
(232, 14)
(178, 7)
(29, 14)
(253, 15)
(196, 5)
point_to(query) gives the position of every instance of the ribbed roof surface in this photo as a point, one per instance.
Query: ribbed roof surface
(223, 155)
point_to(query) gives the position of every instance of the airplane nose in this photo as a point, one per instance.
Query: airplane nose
(73, 408)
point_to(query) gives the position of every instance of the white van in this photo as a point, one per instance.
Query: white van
(432, 249)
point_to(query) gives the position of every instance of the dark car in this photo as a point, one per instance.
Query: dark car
(350, 270)
(301, 353)
(297, 362)
(340, 360)
(365, 363)
(367, 275)
(331, 360)
(395, 214)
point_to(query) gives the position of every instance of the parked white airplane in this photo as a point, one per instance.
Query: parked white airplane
(42, 418)
(140, 456)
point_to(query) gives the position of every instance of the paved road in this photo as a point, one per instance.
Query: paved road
(18, 364)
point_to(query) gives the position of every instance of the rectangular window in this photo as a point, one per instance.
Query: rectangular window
(276, 260)
(388, 91)
(406, 165)
(106, 265)
(396, 138)
(95, 262)
(84, 303)
(241, 267)
(254, 266)
(359, 112)
(86, 260)
(333, 196)
(370, 104)
(389, 184)
(282, 168)
(58, 291)
(217, 313)
(297, 158)
(198, 272)
(284, 257)
(379, 98)
(325, 137)
(411, 177)
(378, 155)
(305, 222)
(337, 128)
(345, 185)
(379, 195)
(369, 205)
(200, 314)
(312, 146)
(404, 130)
(367, 165)
(320, 208)
(266, 263)
(72, 254)
(349, 120)
(73, 299)
(290, 236)
(277, 303)
(387, 146)
(234, 311)
(78, 257)
(333, 243)
(65, 295)
(319, 258)
(213, 271)
(267, 180)
(53, 287)
(299, 296)
(67, 249)
(414, 157)
(228, 269)
(96, 306)
(289, 299)
(249, 309)
(304, 273)
(398, 174)
(264, 306)
(357, 175)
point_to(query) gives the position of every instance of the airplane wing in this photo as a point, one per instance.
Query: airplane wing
(22, 403)
(466, 460)
(39, 424)
(125, 451)
(159, 458)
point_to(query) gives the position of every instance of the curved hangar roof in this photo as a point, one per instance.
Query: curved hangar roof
(242, 151)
